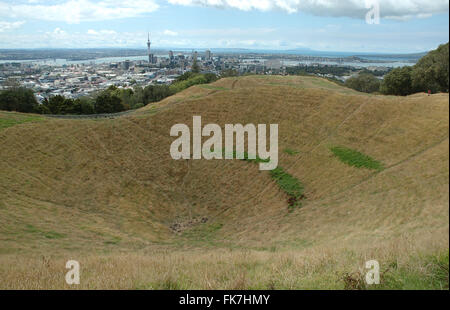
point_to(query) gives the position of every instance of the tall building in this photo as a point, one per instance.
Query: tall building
(150, 55)
(170, 55)
(126, 64)
(208, 55)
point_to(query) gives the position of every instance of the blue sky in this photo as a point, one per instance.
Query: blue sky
(328, 25)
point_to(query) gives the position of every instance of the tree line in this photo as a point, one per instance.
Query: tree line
(110, 100)
(429, 74)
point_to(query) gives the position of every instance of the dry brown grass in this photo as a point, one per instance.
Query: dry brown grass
(314, 268)
(108, 192)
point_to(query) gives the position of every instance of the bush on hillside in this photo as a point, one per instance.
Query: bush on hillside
(364, 82)
(179, 86)
(18, 99)
(398, 82)
(108, 103)
(431, 72)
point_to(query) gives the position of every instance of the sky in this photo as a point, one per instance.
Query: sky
(404, 26)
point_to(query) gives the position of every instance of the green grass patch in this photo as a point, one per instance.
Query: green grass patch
(433, 275)
(13, 120)
(290, 151)
(424, 272)
(355, 158)
(203, 231)
(290, 185)
(114, 240)
(53, 235)
(47, 234)
(152, 110)
(31, 229)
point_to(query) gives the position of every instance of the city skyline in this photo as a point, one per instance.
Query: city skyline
(406, 27)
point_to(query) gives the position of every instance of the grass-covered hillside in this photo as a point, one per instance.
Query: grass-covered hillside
(370, 176)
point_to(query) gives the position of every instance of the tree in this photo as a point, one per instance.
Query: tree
(210, 77)
(431, 71)
(364, 82)
(107, 103)
(179, 86)
(125, 96)
(83, 106)
(18, 99)
(154, 93)
(185, 76)
(55, 104)
(195, 66)
(42, 109)
(398, 82)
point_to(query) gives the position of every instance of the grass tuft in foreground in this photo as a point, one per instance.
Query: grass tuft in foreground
(355, 158)
(424, 272)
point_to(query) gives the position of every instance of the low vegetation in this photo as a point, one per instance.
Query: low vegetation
(18, 99)
(433, 275)
(9, 119)
(290, 185)
(111, 100)
(355, 158)
(365, 82)
(429, 74)
(191, 78)
(290, 151)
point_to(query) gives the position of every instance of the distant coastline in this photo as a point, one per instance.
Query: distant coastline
(290, 57)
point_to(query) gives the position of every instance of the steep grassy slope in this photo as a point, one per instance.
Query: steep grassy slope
(99, 189)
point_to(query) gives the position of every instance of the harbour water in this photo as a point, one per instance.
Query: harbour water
(377, 62)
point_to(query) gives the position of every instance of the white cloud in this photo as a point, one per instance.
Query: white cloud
(101, 32)
(4, 26)
(170, 33)
(76, 11)
(326, 38)
(58, 31)
(394, 9)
